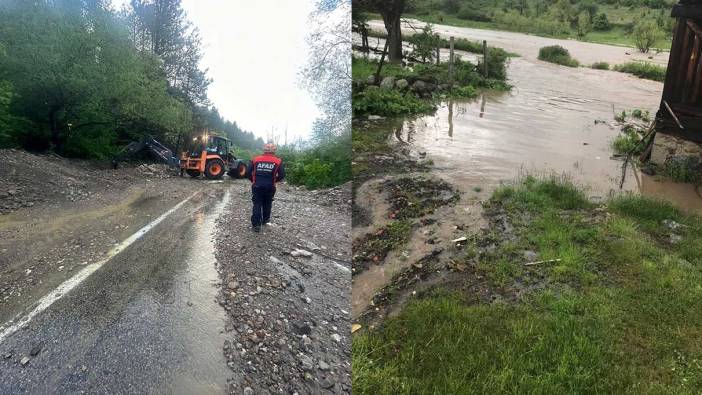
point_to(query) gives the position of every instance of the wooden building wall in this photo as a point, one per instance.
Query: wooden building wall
(683, 84)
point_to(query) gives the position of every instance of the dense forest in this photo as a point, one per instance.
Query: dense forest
(81, 79)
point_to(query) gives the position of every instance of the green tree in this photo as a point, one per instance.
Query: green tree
(391, 12)
(583, 25)
(425, 43)
(646, 33)
(160, 27)
(78, 80)
(600, 22)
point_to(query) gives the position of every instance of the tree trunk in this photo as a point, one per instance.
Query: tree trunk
(55, 131)
(394, 28)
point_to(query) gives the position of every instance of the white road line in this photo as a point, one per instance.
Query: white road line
(11, 327)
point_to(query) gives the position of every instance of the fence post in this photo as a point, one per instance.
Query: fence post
(450, 68)
(485, 59)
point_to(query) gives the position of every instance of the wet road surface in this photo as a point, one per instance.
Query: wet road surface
(145, 322)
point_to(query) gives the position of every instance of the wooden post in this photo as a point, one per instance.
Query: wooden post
(450, 68)
(376, 78)
(438, 49)
(485, 59)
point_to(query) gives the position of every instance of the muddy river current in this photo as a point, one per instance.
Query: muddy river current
(556, 119)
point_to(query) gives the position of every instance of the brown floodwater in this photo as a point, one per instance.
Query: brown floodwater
(555, 120)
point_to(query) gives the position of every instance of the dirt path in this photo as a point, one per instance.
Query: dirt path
(289, 315)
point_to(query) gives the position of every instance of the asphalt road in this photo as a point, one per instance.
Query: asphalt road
(144, 322)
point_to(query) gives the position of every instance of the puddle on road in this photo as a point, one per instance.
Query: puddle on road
(201, 319)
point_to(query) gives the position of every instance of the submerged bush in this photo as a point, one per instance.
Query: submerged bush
(387, 102)
(600, 66)
(557, 54)
(627, 143)
(683, 169)
(645, 70)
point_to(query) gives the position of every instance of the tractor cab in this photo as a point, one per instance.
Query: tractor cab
(211, 155)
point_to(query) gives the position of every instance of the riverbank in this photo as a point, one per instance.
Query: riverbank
(557, 294)
(527, 46)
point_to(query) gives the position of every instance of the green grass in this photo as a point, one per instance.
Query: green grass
(557, 54)
(644, 70)
(619, 313)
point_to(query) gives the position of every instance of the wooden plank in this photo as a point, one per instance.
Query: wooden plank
(693, 11)
(687, 109)
(679, 76)
(693, 26)
(691, 67)
(672, 113)
(697, 81)
(669, 86)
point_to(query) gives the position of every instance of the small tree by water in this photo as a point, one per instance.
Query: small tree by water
(646, 33)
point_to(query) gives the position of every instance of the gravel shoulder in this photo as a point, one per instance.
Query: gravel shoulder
(57, 215)
(287, 292)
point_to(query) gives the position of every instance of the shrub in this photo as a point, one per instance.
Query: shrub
(600, 22)
(645, 70)
(323, 165)
(557, 54)
(424, 44)
(627, 143)
(600, 66)
(645, 34)
(464, 92)
(470, 13)
(387, 102)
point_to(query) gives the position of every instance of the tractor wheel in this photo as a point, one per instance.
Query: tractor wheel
(214, 169)
(193, 173)
(238, 170)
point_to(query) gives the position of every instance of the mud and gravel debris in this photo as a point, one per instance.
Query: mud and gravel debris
(289, 316)
(28, 179)
(417, 196)
(374, 247)
(338, 197)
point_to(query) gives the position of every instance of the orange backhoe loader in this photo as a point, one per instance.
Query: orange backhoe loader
(211, 156)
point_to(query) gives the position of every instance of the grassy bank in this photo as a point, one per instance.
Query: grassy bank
(434, 80)
(610, 22)
(644, 70)
(616, 313)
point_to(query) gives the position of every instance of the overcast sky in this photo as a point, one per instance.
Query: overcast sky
(254, 51)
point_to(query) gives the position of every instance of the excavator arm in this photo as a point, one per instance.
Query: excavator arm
(158, 150)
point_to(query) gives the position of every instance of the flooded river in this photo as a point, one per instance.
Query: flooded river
(555, 120)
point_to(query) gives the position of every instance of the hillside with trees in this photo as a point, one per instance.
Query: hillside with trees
(625, 22)
(81, 79)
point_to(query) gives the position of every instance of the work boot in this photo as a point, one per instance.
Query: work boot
(257, 228)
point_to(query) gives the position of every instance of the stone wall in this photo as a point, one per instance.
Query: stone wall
(666, 146)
